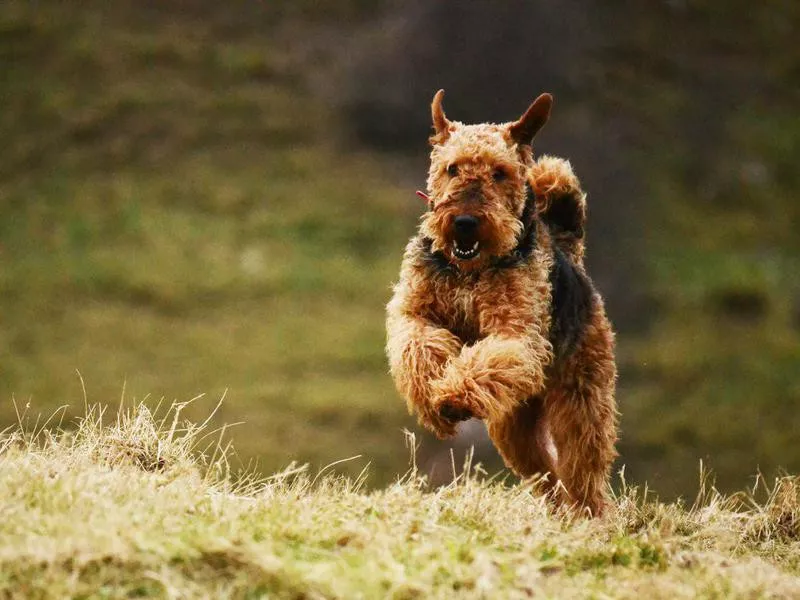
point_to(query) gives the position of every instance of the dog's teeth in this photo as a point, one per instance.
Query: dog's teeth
(465, 254)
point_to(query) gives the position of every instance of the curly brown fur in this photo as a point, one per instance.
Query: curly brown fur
(494, 316)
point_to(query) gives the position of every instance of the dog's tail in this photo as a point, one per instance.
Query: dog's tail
(560, 203)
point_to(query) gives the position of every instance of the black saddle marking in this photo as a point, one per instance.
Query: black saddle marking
(572, 303)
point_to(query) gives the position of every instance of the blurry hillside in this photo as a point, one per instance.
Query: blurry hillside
(196, 197)
(681, 118)
(176, 220)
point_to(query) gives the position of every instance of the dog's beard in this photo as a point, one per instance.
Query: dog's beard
(495, 237)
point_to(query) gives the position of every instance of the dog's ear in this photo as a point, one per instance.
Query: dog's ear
(523, 130)
(441, 126)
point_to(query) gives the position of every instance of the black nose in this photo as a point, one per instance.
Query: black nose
(465, 223)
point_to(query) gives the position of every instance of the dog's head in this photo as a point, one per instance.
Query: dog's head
(477, 184)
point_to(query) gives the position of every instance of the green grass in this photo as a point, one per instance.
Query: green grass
(715, 377)
(725, 347)
(178, 215)
(143, 504)
(179, 220)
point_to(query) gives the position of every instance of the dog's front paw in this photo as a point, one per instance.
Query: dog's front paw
(445, 417)
(454, 405)
(441, 427)
(453, 412)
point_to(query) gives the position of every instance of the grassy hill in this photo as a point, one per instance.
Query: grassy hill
(126, 506)
(176, 219)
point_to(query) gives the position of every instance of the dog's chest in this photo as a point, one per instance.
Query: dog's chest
(458, 311)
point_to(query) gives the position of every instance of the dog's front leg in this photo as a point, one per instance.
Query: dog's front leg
(492, 377)
(418, 351)
(506, 366)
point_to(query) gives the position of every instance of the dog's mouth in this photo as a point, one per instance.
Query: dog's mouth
(466, 250)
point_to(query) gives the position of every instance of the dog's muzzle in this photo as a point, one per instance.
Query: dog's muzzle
(466, 244)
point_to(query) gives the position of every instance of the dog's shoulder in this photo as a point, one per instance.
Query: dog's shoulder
(572, 291)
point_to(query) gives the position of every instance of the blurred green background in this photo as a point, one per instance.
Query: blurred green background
(199, 196)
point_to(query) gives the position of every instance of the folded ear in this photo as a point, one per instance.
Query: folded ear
(441, 126)
(523, 130)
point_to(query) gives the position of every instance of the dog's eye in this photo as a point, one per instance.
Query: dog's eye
(499, 175)
(452, 170)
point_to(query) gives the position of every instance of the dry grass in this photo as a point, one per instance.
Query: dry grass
(142, 505)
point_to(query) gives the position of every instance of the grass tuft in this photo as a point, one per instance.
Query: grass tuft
(146, 504)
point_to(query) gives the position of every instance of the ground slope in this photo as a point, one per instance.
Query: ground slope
(131, 509)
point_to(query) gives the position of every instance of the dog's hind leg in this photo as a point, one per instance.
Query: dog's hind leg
(582, 418)
(523, 440)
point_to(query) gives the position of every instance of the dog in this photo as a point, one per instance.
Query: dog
(494, 316)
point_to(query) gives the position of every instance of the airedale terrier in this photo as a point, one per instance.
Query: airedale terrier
(494, 316)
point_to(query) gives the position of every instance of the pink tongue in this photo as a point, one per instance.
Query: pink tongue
(423, 195)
